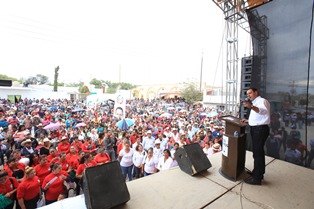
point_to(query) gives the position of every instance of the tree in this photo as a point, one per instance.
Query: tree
(126, 86)
(31, 80)
(41, 79)
(84, 89)
(191, 94)
(80, 84)
(97, 83)
(5, 77)
(55, 83)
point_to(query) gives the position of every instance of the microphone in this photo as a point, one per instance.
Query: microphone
(246, 100)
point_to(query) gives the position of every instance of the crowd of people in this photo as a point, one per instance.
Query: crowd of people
(47, 144)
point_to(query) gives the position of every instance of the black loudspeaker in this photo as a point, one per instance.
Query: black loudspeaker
(104, 186)
(192, 159)
(5, 82)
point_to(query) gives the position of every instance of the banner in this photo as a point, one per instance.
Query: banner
(225, 142)
(119, 107)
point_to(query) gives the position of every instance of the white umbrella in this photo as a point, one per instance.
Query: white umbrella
(165, 115)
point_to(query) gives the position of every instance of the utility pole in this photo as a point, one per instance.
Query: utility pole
(201, 74)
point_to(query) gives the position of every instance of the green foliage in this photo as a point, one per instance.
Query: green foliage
(112, 86)
(97, 83)
(83, 89)
(191, 94)
(5, 77)
(39, 79)
(80, 84)
(42, 79)
(111, 90)
(126, 86)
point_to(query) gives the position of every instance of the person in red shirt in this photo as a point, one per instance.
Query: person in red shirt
(73, 158)
(77, 144)
(64, 145)
(85, 162)
(8, 186)
(43, 168)
(15, 169)
(64, 163)
(120, 145)
(53, 156)
(133, 136)
(102, 157)
(53, 184)
(28, 192)
(89, 146)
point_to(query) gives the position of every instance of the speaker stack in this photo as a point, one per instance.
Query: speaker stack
(246, 80)
(7, 83)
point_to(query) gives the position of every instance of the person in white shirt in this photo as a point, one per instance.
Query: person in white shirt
(175, 136)
(163, 141)
(138, 160)
(207, 149)
(259, 120)
(158, 151)
(165, 162)
(172, 152)
(138, 142)
(190, 132)
(149, 164)
(148, 141)
(126, 160)
(167, 132)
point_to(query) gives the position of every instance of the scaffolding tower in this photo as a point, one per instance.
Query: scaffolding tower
(235, 12)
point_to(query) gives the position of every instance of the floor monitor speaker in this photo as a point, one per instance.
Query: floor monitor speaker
(192, 159)
(104, 186)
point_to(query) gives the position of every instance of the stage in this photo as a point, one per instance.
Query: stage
(284, 186)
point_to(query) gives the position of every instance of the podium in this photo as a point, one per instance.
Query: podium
(233, 148)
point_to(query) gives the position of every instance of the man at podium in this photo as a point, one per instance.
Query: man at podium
(258, 121)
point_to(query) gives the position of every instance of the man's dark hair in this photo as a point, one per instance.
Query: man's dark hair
(253, 89)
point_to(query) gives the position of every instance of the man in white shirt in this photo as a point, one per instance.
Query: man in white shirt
(258, 121)
(148, 141)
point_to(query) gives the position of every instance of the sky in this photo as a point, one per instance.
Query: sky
(134, 41)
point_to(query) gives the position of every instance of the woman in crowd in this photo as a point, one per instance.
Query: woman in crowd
(73, 158)
(64, 163)
(172, 152)
(207, 149)
(102, 157)
(34, 160)
(44, 150)
(43, 168)
(19, 136)
(8, 186)
(15, 169)
(165, 162)
(138, 160)
(149, 166)
(89, 146)
(53, 184)
(126, 161)
(77, 144)
(28, 192)
(53, 156)
(85, 162)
